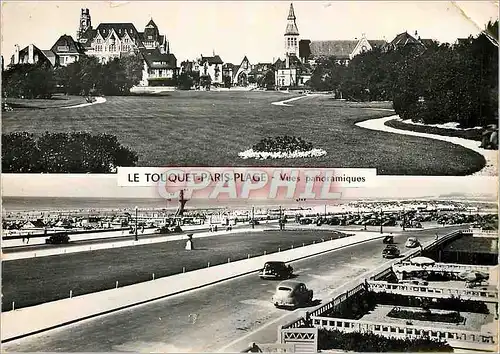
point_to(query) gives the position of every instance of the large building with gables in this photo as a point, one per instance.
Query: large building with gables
(113, 40)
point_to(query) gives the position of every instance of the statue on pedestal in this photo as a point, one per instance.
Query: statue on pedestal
(189, 243)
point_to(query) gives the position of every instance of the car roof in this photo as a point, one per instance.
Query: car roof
(275, 262)
(290, 283)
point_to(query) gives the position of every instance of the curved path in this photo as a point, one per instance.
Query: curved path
(491, 156)
(97, 100)
(284, 103)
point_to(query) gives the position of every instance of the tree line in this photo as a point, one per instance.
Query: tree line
(441, 83)
(87, 76)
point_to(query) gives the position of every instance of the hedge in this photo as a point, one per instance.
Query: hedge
(369, 342)
(76, 152)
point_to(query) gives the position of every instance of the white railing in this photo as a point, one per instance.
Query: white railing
(450, 267)
(304, 340)
(406, 331)
(433, 291)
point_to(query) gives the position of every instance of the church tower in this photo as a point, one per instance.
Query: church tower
(85, 23)
(291, 35)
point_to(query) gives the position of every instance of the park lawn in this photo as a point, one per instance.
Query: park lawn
(189, 128)
(32, 281)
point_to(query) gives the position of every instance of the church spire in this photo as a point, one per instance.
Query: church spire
(291, 26)
(291, 13)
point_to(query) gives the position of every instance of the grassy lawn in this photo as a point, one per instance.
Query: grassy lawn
(472, 134)
(37, 280)
(211, 128)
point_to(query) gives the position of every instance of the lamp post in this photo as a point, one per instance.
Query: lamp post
(135, 234)
(404, 219)
(253, 218)
(381, 220)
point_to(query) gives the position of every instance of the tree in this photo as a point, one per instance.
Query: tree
(267, 80)
(133, 66)
(227, 81)
(205, 81)
(29, 81)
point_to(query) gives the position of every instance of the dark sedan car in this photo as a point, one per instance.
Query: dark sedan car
(57, 239)
(391, 251)
(276, 270)
(388, 239)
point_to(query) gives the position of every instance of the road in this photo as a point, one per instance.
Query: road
(237, 311)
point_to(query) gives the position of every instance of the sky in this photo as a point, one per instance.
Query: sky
(234, 29)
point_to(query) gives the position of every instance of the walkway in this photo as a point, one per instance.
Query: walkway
(491, 156)
(97, 101)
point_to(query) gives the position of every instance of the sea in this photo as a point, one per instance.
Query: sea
(47, 204)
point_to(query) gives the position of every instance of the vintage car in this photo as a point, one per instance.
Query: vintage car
(391, 251)
(57, 239)
(276, 270)
(412, 242)
(388, 239)
(292, 294)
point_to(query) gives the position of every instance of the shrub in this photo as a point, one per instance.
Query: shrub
(77, 152)
(20, 153)
(369, 342)
(282, 144)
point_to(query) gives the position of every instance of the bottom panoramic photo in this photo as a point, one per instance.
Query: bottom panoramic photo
(365, 274)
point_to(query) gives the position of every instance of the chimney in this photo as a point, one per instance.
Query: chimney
(416, 33)
(31, 55)
(16, 54)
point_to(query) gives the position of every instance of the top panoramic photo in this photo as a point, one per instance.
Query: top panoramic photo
(407, 88)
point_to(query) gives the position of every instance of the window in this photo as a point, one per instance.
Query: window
(98, 41)
(112, 48)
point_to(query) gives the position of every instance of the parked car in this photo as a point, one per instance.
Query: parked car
(388, 239)
(276, 270)
(391, 251)
(57, 239)
(292, 294)
(412, 242)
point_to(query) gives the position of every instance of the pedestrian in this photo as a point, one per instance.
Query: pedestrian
(254, 348)
(23, 239)
(27, 239)
(437, 235)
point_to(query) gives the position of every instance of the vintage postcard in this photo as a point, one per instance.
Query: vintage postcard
(306, 176)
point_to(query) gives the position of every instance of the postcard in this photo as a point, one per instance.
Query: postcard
(245, 176)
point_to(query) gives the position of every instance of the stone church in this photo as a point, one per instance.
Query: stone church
(301, 55)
